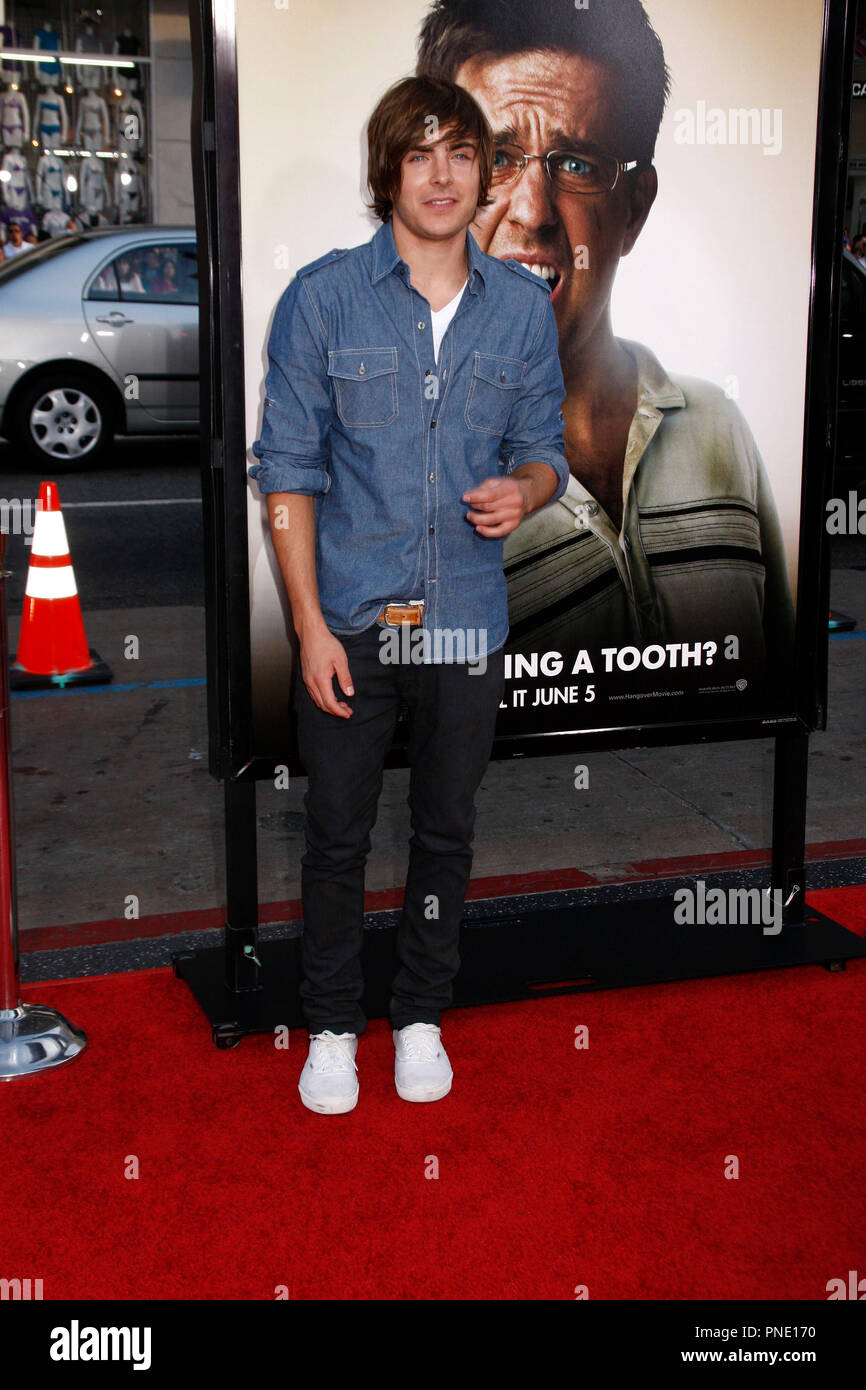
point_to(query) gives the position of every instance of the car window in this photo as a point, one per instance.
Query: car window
(163, 273)
(105, 285)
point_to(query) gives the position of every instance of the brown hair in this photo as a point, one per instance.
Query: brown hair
(399, 123)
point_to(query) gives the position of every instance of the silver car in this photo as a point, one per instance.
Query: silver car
(99, 336)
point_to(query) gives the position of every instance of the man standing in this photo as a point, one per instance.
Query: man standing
(17, 243)
(412, 420)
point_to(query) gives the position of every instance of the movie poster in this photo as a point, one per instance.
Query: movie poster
(660, 589)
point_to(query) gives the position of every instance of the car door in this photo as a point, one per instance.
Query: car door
(142, 310)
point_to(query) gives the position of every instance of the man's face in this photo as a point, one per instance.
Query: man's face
(439, 189)
(16, 235)
(544, 100)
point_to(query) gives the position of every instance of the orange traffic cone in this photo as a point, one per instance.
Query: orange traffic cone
(52, 647)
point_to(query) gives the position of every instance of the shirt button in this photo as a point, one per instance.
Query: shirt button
(362, 369)
(501, 376)
(432, 424)
(592, 508)
(444, 373)
(421, 323)
(432, 529)
(431, 476)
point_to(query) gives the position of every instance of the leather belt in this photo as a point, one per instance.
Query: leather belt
(395, 613)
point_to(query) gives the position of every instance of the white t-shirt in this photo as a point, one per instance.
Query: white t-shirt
(440, 319)
(10, 250)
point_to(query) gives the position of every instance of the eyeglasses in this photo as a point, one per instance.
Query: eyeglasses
(571, 171)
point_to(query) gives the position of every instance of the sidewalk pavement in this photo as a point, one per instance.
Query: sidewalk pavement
(113, 800)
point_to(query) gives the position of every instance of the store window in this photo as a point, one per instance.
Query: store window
(163, 273)
(76, 121)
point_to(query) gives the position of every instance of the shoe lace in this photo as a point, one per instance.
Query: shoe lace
(333, 1051)
(421, 1046)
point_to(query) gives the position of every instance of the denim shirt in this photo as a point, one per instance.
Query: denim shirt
(359, 414)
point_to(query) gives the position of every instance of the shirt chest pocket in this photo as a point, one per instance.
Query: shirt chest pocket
(493, 389)
(365, 385)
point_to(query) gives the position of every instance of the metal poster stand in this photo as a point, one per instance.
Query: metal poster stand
(251, 986)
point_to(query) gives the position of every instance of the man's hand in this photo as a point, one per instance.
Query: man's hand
(323, 656)
(498, 505)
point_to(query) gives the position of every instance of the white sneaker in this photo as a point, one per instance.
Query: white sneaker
(328, 1082)
(421, 1067)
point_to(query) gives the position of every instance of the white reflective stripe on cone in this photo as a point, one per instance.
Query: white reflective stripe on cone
(50, 583)
(49, 534)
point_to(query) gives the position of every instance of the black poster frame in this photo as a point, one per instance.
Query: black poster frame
(239, 993)
(216, 180)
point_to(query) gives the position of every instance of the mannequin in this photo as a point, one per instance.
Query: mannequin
(128, 190)
(11, 69)
(88, 42)
(14, 118)
(51, 182)
(129, 125)
(50, 120)
(47, 39)
(93, 195)
(128, 46)
(92, 129)
(18, 188)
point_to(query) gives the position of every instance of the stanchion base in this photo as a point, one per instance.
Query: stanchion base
(34, 1038)
(97, 673)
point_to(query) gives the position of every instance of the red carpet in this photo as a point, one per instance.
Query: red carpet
(558, 1167)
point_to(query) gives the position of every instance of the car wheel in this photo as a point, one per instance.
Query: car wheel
(64, 419)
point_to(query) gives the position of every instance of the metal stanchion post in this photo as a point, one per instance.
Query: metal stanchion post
(32, 1036)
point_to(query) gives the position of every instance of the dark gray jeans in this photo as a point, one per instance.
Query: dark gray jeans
(453, 715)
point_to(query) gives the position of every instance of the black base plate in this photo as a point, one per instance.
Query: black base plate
(97, 673)
(532, 955)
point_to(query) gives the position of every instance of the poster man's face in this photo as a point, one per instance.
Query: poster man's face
(439, 189)
(543, 100)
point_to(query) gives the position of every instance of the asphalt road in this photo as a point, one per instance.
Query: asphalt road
(134, 524)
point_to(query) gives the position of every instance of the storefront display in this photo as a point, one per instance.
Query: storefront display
(74, 126)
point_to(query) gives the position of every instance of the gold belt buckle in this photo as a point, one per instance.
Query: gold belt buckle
(415, 616)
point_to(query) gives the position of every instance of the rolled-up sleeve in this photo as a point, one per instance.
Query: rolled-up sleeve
(535, 431)
(293, 445)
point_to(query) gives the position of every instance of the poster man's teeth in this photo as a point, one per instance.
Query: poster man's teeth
(545, 272)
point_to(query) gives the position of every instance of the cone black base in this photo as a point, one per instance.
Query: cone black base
(97, 673)
(840, 622)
